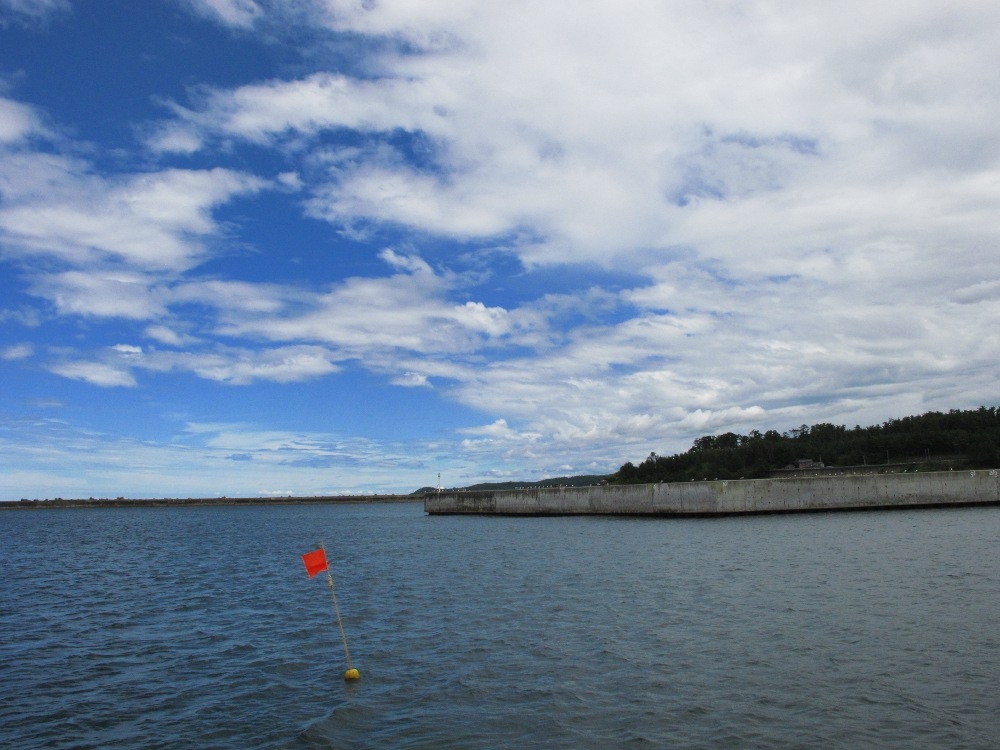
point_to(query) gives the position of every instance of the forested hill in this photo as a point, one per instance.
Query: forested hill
(577, 481)
(935, 440)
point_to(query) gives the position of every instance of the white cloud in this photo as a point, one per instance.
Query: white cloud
(499, 428)
(660, 379)
(96, 373)
(155, 221)
(412, 380)
(166, 335)
(361, 316)
(264, 112)
(755, 133)
(16, 121)
(102, 294)
(236, 296)
(501, 441)
(17, 351)
(238, 13)
(48, 403)
(234, 366)
(810, 192)
(57, 459)
(707, 420)
(32, 11)
(174, 139)
(290, 180)
(229, 365)
(25, 316)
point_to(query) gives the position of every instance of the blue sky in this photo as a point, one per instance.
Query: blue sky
(254, 247)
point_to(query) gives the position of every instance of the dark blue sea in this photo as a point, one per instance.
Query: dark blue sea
(198, 628)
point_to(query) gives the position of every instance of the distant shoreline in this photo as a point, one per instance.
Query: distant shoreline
(205, 501)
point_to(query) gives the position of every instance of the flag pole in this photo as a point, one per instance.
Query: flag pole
(351, 673)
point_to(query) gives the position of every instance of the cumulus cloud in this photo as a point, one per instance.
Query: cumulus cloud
(104, 246)
(775, 140)
(102, 294)
(157, 221)
(405, 311)
(803, 198)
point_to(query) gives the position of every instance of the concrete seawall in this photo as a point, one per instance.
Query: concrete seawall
(733, 497)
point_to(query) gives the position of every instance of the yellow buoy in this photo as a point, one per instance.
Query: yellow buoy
(352, 674)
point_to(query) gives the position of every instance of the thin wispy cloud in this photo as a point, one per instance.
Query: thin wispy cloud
(32, 12)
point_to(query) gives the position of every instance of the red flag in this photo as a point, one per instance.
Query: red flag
(315, 562)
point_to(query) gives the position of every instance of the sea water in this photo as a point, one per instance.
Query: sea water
(198, 627)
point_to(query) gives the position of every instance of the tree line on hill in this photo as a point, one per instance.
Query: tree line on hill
(931, 441)
(583, 480)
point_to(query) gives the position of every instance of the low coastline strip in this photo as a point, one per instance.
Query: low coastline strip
(733, 497)
(206, 501)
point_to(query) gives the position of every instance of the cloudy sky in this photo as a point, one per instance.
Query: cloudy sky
(251, 247)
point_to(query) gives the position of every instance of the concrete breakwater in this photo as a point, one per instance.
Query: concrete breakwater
(733, 497)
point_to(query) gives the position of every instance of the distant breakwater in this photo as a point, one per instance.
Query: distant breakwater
(733, 497)
(204, 501)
